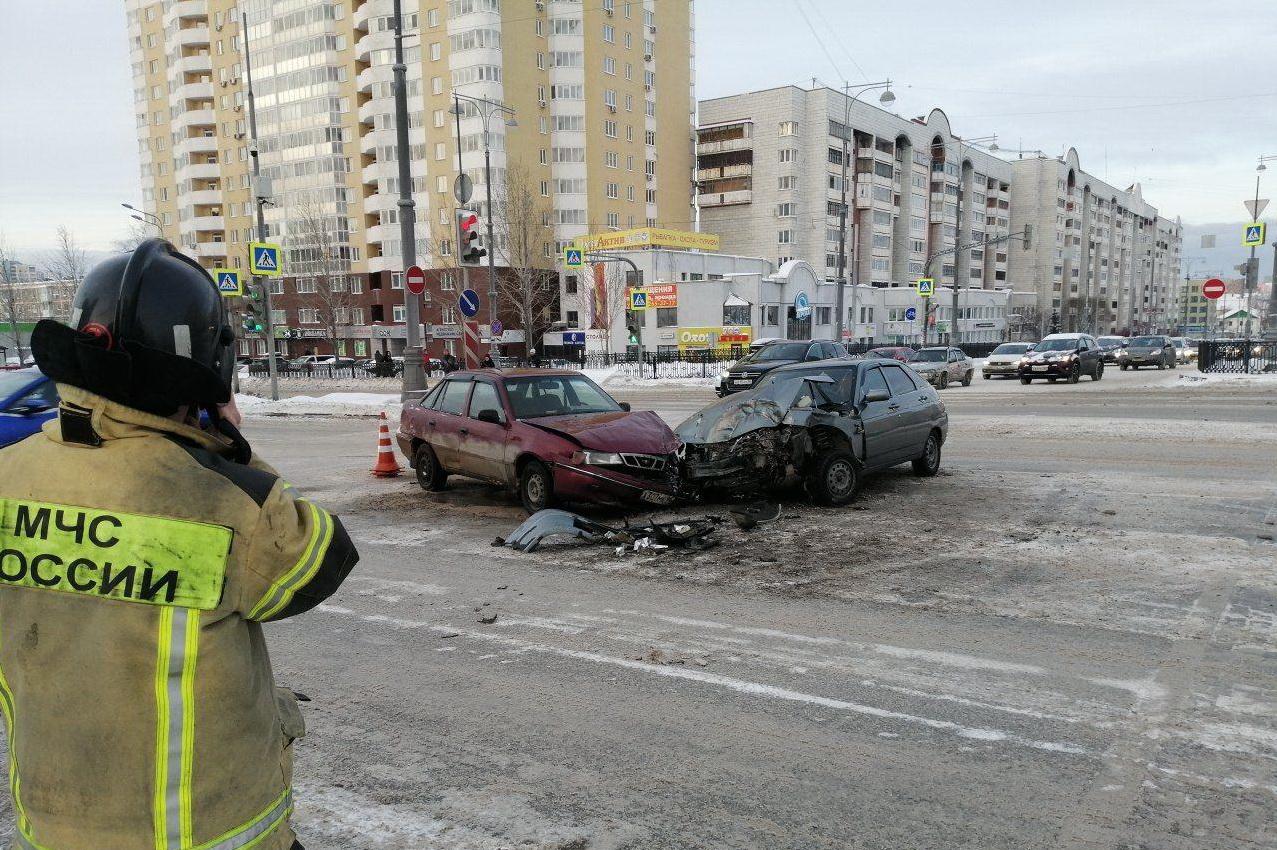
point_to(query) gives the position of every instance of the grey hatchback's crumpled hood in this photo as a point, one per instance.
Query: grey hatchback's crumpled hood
(734, 415)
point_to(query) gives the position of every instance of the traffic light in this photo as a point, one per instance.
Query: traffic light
(469, 246)
(254, 318)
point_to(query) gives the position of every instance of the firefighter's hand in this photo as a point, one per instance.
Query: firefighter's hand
(230, 412)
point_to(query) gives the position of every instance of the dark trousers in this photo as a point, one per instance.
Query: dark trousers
(297, 845)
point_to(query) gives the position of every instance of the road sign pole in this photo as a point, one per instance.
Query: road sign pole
(414, 376)
(264, 283)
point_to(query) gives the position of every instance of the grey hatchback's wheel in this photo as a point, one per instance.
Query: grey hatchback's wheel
(536, 487)
(929, 464)
(834, 479)
(430, 474)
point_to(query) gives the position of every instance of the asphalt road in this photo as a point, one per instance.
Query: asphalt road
(1067, 641)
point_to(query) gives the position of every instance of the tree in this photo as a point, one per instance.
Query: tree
(521, 223)
(313, 251)
(136, 233)
(67, 263)
(9, 299)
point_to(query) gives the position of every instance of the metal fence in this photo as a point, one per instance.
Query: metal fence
(1242, 356)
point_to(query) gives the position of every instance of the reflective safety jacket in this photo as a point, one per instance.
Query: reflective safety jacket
(137, 563)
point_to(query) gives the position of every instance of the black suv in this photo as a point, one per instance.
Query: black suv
(1067, 356)
(783, 352)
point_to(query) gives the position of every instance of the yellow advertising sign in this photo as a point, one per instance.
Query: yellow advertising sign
(647, 237)
(714, 337)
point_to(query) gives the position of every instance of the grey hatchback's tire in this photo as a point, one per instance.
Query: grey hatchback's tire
(929, 463)
(430, 475)
(834, 478)
(536, 487)
(986, 376)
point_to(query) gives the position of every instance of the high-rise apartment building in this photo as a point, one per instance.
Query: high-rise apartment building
(769, 172)
(1100, 257)
(601, 135)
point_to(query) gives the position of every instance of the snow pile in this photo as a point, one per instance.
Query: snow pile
(1226, 379)
(1115, 428)
(332, 404)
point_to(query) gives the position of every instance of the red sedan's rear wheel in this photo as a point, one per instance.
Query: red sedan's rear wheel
(430, 475)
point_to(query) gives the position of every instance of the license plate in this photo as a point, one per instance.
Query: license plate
(1040, 368)
(740, 382)
(657, 498)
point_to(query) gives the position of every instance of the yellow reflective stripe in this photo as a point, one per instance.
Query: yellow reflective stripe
(192, 639)
(112, 555)
(256, 830)
(15, 780)
(158, 813)
(281, 591)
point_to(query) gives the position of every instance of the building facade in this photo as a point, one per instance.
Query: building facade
(591, 145)
(1099, 257)
(706, 300)
(769, 176)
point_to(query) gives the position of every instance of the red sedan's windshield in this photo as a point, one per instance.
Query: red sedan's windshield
(556, 395)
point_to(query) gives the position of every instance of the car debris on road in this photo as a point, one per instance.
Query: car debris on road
(686, 534)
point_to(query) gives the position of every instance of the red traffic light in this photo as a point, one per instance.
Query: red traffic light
(469, 248)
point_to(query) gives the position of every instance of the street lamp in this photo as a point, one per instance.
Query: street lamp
(887, 98)
(145, 217)
(1252, 269)
(486, 109)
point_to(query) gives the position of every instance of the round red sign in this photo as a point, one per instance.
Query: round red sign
(415, 280)
(1213, 288)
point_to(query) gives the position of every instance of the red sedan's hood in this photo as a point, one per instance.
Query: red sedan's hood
(640, 431)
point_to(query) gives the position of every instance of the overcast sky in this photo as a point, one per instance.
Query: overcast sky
(1176, 94)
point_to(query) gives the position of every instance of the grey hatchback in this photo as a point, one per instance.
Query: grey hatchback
(827, 422)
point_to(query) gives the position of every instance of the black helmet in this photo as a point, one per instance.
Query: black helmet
(148, 330)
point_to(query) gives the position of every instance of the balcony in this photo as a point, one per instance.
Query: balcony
(745, 169)
(196, 118)
(724, 146)
(192, 36)
(202, 196)
(196, 145)
(186, 10)
(359, 17)
(202, 90)
(196, 63)
(210, 249)
(373, 41)
(199, 171)
(726, 199)
(709, 173)
(203, 223)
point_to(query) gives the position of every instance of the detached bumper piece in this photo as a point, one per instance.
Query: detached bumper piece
(697, 533)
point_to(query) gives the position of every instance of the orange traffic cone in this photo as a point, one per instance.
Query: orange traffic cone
(386, 465)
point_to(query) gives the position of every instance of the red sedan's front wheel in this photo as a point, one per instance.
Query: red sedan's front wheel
(536, 487)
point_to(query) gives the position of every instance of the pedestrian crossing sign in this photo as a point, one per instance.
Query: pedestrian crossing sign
(1254, 234)
(926, 287)
(264, 259)
(573, 259)
(638, 300)
(228, 282)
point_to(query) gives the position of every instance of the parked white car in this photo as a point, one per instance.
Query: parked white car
(1005, 360)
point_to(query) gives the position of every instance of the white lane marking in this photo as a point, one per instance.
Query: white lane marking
(950, 659)
(726, 682)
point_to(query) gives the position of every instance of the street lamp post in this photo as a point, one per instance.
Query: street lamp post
(486, 109)
(145, 217)
(886, 99)
(414, 376)
(1252, 268)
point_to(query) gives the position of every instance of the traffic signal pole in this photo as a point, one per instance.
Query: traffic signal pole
(259, 198)
(414, 376)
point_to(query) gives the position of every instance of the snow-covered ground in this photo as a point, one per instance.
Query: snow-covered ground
(331, 404)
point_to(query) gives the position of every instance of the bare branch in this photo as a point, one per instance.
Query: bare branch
(67, 262)
(521, 223)
(137, 232)
(313, 252)
(9, 299)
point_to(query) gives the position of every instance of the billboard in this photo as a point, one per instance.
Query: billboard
(647, 237)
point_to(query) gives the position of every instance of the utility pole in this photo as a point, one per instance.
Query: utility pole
(414, 377)
(1252, 268)
(886, 99)
(261, 192)
(1270, 318)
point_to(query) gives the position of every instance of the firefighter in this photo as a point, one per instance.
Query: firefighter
(139, 555)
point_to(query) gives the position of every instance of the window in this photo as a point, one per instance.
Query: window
(789, 128)
(484, 397)
(897, 380)
(609, 33)
(736, 314)
(771, 315)
(453, 397)
(823, 315)
(785, 237)
(785, 210)
(666, 317)
(788, 154)
(789, 181)
(308, 316)
(399, 313)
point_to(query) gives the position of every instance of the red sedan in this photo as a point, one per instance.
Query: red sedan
(892, 352)
(550, 434)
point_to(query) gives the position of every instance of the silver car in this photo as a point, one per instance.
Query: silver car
(1005, 359)
(942, 366)
(1153, 350)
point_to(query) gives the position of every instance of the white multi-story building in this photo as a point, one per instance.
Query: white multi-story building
(1099, 257)
(769, 171)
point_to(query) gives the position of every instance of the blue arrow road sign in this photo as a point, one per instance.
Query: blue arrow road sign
(469, 303)
(911, 313)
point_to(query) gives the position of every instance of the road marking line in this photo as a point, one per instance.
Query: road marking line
(726, 682)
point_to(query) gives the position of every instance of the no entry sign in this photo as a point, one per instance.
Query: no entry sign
(415, 280)
(1213, 288)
